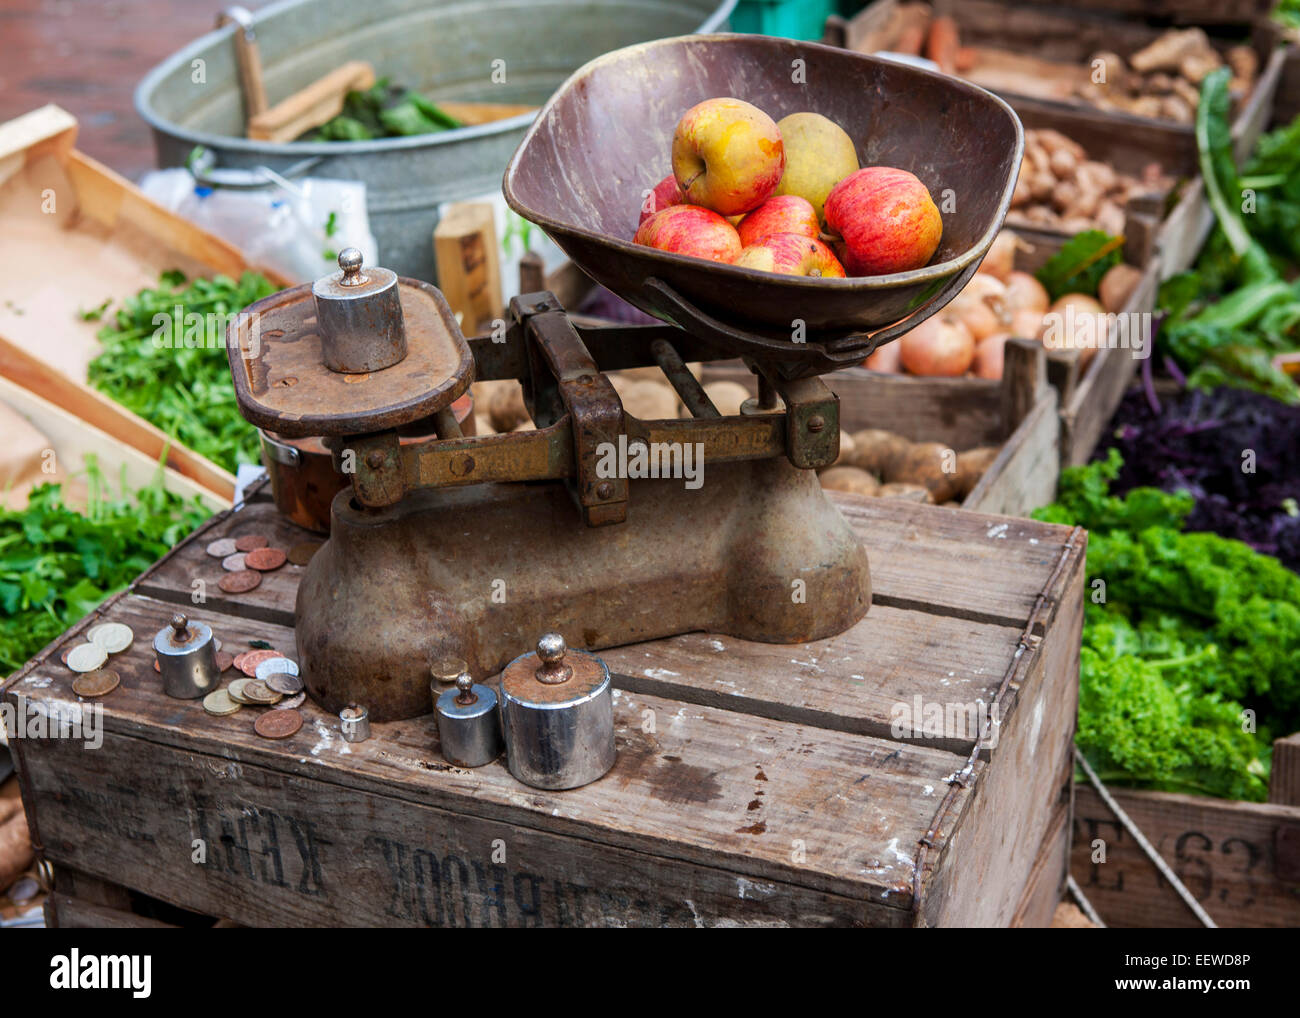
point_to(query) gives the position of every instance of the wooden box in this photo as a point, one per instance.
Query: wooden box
(755, 784)
(77, 233)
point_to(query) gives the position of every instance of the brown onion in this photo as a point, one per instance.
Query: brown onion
(938, 346)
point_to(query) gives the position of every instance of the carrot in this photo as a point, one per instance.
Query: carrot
(944, 43)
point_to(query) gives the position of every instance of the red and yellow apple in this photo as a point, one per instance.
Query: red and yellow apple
(779, 214)
(690, 230)
(791, 254)
(727, 156)
(887, 219)
(663, 194)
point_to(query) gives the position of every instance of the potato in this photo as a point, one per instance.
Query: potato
(506, 408)
(924, 463)
(850, 479)
(971, 466)
(875, 449)
(847, 447)
(727, 396)
(1063, 164)
(648, 401)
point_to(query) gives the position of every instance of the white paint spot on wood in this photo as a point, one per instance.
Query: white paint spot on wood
(38, 681)
(660, 673)
(998, 531)
(717, 645)
(749, 890)
(929, 790)
(902, 857)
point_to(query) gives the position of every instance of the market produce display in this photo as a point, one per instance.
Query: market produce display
(748, 191)
(164, 357)
(874, 461)
(1191, 630)
(57, 563)
(1229, 319)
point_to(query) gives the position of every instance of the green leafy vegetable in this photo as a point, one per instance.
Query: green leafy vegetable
(1080, 264)
(58, 563)
(383, 111)
(164, 357)
(1194, 630)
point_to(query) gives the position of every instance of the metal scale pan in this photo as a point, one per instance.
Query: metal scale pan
(604, 138)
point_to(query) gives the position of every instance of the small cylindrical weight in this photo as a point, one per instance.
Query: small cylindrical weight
(359, 317)
(187, 658)
(354, 722)
(557, 716)
(469, 730)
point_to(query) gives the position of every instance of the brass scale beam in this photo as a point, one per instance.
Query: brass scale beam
(576, 410)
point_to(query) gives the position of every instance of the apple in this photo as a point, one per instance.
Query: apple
(727, 156)
(779, 214)
(791, 254)
(690, 230)
(887, 220)
(818, 155)
(663, 194)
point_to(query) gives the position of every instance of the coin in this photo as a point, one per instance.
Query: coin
(265, 559)
(234, 563)
(241, 582)
(301, 554)
(285, 683)
(224, 660)
(250, 542)
(219, 704)
(236, 690)
(86, 657)
(221, 548)
(271, 665)
(114, 637)
(290, 702)
(251, 659)
(278, 724)
(90, 633)
(97, 683)
(259, 692)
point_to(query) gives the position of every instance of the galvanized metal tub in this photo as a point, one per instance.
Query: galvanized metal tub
(443, 48)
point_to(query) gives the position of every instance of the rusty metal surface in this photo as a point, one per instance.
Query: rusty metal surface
(396, 590)
(601, 141)
(282, 385)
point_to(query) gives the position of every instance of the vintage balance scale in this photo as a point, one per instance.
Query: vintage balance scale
(470, 547)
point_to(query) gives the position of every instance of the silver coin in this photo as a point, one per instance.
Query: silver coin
(283, 682)
(271, 665)
(290, 702)
(221, 548)
(114, 637)
(234, 563)
(87, 657)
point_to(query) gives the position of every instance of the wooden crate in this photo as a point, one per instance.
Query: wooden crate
(76, 234)
(1065, 35)
(1241, 860)
(755, 784)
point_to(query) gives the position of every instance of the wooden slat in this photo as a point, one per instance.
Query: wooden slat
(1284, 777)
(1224, 852)
(67, 913)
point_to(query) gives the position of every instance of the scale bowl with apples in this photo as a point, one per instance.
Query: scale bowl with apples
(468, 547)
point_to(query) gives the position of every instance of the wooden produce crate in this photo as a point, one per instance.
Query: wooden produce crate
(755, 784)
(1241, 860)
(1044, 35)
(76, 233)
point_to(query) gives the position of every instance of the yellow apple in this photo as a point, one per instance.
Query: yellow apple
(818, 155)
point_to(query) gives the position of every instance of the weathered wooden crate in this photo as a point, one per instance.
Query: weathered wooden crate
(1070, 35)
(755, 784)
(1241, 860)
(77, 233)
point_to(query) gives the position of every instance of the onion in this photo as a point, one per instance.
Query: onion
(981, 306)
(988, 356)
(1072, 323)
(885, 359)
(1025, 293)
(1027, 324)
(938, 346)
(1001, 258)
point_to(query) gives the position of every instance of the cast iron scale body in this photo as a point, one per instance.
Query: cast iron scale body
(469, 547)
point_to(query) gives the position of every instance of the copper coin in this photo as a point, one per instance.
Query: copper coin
(290, 702)
(234, 563)
(224, 660)
(240, 583)
(301, 554)
(284, 683)
(221, 548)
(265, 558)
(96, 683)
(250, 542)
(278, 724)
(250, 661)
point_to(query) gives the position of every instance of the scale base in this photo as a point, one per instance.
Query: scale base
(757, 552)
